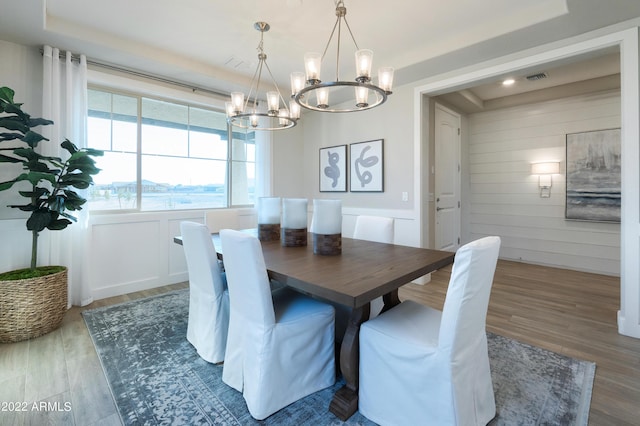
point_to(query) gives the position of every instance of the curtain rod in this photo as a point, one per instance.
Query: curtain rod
(157, 78)
(160, 79)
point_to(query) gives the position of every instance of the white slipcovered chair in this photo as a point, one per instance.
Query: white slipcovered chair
(374, 228)
(208, 321)
(380, 230)
(419, 365)
(281, 344)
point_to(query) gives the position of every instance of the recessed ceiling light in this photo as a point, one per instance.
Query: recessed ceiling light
(508, 82)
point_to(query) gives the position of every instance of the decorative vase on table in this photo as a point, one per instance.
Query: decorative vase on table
(269, 218)
(294, 222)
(33, 300)
(326, 227)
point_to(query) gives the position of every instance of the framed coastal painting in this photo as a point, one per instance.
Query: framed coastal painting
(593, 176)
(333, 169)
(367, 166)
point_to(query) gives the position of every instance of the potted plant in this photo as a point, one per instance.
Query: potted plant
(33, 300)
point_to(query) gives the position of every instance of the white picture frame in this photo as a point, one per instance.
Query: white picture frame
(367, 166)
(333, 169)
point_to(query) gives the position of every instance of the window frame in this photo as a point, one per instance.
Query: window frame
(230, 134)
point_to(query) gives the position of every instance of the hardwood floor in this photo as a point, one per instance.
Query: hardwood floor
(569, 312)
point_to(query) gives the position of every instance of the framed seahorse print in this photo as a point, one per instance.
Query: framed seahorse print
(333, 169)
(367, 171)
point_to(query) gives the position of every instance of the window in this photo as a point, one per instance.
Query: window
(163, 155)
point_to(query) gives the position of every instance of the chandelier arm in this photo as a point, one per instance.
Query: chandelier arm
(275, 84)
(330, 37)
(351, 33)
(255, 100)
(253, 79)
(338, 49)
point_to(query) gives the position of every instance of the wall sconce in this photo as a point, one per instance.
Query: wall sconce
(544, 172)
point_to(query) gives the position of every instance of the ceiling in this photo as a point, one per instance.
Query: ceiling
(212, 43)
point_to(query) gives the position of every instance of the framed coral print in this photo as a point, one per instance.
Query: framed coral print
(367, 166)
(593, 176)
(333, 169)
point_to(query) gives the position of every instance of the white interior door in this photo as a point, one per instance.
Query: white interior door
(447, 179)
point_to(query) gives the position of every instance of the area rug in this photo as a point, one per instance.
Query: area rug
(157, 378)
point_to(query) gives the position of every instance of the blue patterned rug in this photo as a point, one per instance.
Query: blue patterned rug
(157, 378)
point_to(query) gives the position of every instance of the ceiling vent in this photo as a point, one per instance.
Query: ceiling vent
(539, 76)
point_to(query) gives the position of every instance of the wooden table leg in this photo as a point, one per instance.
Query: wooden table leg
(390, 299)
(345, 400)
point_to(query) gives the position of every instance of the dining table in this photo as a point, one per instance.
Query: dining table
(362, 272)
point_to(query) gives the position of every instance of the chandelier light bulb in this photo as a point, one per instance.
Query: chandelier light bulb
(364, 60)
(362, 97)
(312, 64)
(273, 103)
(283, 116)
(237, 101)
(322, 98)
(254, 120)
(228, 106)
(297, 82)
(294, 109)
(385, 78)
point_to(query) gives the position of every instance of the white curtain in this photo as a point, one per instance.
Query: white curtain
(65, 103)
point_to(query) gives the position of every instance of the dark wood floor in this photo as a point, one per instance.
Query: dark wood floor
(572, 313)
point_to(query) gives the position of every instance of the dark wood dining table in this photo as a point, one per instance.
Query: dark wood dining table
(364, 271)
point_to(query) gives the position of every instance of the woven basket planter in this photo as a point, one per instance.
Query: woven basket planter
(32, 307)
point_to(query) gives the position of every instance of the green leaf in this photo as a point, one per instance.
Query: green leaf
(6, 159)
(24, 207)
(37, 192)
(6, 185)
(89, 169)
(69, 146)
(94, 152)
(15, 109)
(33, 138)
(77, 180)
(39, 220)
(27, 153)
(58, 224)
(10, 136)
(36, 177)
(6, 94)
(74, 201)
(34, 122)
(14, 123)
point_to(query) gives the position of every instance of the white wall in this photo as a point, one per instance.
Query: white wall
(504, 198)
(20, 70)
(392, 122)
(288, 161)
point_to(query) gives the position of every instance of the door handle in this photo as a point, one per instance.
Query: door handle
(439, 208)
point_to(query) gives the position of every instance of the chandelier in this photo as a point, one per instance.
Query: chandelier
(247, 113)
(310, 92)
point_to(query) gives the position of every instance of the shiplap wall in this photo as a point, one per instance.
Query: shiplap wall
(504, 198)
